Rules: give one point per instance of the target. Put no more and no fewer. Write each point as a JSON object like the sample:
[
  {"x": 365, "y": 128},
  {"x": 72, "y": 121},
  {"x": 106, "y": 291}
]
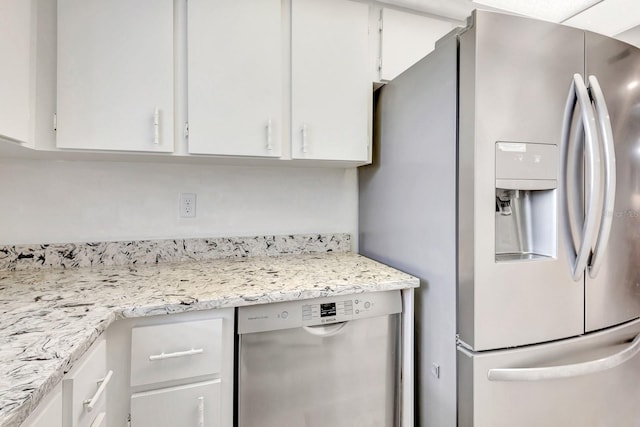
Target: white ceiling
[
  {"x": 549, "y": 10},
  {"x": 631, "y": 36},
  {"x": 454, "y": 9},
  {"x": 609, "y": 17}
]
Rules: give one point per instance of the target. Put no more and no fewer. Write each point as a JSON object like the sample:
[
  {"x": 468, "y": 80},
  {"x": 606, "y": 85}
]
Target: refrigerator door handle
[
  {"x": 578, "y": 93},
  {"x": 606, "y": 132},
  {"x": 566, "y": 371}
]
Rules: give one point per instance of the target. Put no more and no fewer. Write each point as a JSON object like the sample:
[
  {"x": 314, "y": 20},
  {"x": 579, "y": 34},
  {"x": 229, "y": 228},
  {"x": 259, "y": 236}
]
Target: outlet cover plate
[{"x": 187, "y": 205}]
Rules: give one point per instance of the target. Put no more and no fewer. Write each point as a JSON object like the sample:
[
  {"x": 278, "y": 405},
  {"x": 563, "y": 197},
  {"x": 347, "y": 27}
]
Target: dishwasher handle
[{"x": 325, "y": 330}]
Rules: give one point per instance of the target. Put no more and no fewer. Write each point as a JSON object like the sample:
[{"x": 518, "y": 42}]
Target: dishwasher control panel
[
  {"x": 318, "y": 311},
  {"x": 324, "y": 312}
]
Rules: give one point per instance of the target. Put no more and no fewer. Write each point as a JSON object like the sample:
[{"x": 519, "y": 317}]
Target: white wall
[{"x": 58, "y": 202}]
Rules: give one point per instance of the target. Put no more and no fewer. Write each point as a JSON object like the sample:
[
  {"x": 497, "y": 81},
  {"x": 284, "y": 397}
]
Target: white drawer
[
  {"x": 84, "y": 388},
  {"x": 175, "y": 351},
  {"x": 188, "y": 405}
]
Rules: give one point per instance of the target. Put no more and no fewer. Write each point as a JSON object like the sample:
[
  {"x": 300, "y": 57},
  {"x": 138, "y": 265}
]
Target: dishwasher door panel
[{"x": 337, "y": 375}]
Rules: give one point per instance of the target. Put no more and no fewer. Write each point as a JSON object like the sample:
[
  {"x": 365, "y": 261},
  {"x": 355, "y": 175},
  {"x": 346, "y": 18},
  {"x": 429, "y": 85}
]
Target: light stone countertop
[{"x": 50, "y": 317}]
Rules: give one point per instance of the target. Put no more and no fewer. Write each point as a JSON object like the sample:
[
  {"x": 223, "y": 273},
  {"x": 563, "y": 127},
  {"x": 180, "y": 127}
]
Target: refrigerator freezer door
[
  {"x": 613, "y": 295},
  {"x": 513, "y": 89},
  {"x": 607, "y": 396}
]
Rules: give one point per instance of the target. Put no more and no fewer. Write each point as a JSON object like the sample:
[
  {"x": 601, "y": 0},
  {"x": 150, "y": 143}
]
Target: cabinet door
[
  {"x": 187, "y": 405},
  {"x": 331, "y": 84},
  {"x": 406, "y": 38},
  {"x": 235, "y": 77},
  {"x": 85, "y": 387},
  {"x": 49, "y": 411},
  {"x": 17, "y": 23},
  {"x": 115, "y": 75}
]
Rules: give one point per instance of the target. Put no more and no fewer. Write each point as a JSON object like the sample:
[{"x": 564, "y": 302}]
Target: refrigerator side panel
[
  {"x": 603, "y": 398},
  {"x": 613, "y": 295},
  {"x": 466, "y": 189},
  {"x": 407, "y": 214},
  {"x": 465, "y": 388},
  {"x": 523, "y": 290}
]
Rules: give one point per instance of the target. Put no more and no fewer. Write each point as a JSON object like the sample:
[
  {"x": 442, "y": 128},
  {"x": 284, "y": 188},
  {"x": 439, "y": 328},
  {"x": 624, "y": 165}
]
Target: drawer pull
[
  {"x": 200, "y": 411},
  {"x": 99, "y": 420},
  {"x": 156, "y": 126},
  {"x": 90, "y": 403},
  {"x": 269, "y": 135},
  {"x": 304, "y": 132},
  {"x": 163, "y": 355}
]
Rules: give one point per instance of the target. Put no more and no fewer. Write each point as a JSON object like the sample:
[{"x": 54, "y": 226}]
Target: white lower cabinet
[
  {"x": 155, "y": 371},
  {"x": 80, "y": 399},
  {"x": 84, "y": 389},
  {"x": 180, "y": 370},
  {"x": 195, "y": 405},
  {"x": 49, "y": 411}
]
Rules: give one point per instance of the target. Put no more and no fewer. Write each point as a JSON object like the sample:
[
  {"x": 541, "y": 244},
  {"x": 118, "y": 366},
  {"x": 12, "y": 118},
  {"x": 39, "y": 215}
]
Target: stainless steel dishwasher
[{"x": 322, "y": 362}]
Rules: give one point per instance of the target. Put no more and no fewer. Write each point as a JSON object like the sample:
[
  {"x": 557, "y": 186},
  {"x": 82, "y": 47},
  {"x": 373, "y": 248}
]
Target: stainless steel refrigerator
[{"x": 506, "y": 176}]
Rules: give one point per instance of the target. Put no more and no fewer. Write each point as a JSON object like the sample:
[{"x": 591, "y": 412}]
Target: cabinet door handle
[
  {"x": 156, "y": 126},
  {"x": 99, "y": 420},
  {"x": 304, "y": 132},
  {"x": 90, "y": 403},
  {"x": 201, "y": 411},
  {"x": 163, "y": 355},
  {"x": 269, "y": 135}
]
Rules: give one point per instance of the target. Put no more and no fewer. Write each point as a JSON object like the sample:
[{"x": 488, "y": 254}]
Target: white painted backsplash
[{"x": 61, "y": 201}]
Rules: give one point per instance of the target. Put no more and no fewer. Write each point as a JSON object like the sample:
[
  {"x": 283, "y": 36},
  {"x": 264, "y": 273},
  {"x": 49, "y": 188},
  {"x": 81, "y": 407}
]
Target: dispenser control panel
[{"x": 526, "y": 166}]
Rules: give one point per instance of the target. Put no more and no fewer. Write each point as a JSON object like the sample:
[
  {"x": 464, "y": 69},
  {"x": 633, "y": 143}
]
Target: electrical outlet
[
  {"x": 187, "y": 205},
  {"x": 435, "y": 370}
]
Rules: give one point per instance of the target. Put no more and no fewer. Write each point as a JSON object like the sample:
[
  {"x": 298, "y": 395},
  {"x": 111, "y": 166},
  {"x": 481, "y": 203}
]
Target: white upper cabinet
[
  {"x": 331, "y": 82},
  {"x": 115, "y": 75},
  {"x": 17, "y": 81},
  {"x": 235, "y": 77},
  {"x": 406, "y": 38}
]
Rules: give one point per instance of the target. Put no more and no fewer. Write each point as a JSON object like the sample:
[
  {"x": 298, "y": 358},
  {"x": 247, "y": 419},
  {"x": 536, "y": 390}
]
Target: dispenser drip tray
[{"x": 520, "y": 257}]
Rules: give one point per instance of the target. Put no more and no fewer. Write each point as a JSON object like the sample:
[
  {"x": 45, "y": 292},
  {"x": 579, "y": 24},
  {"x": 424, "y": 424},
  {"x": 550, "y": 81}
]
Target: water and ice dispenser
[{"x": 526, "y": 214}]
